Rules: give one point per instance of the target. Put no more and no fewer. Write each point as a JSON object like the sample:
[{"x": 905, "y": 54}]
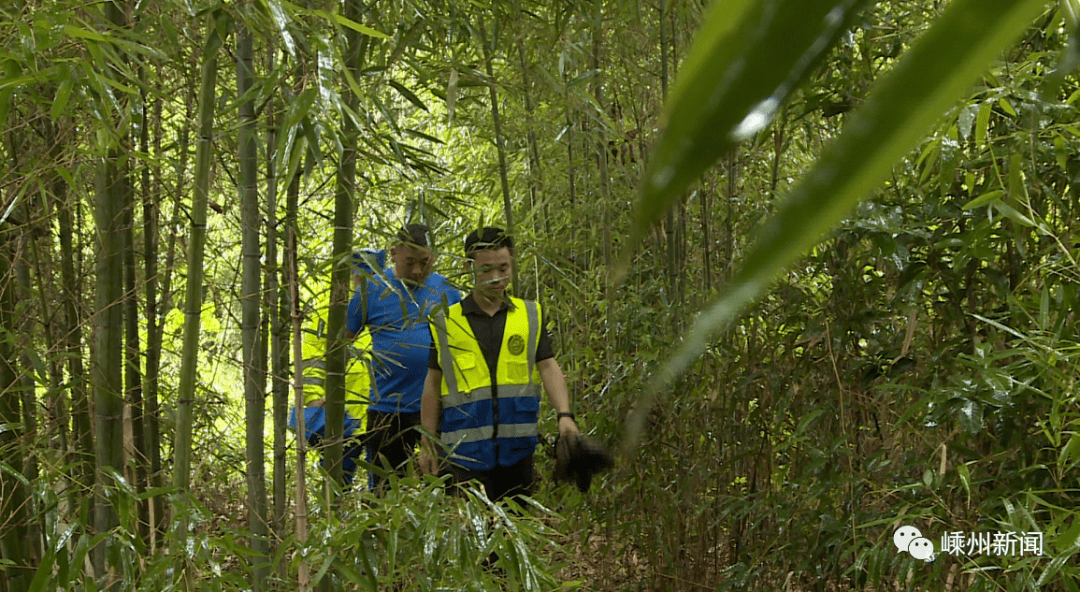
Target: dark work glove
[{"x": 578, "y": 458}]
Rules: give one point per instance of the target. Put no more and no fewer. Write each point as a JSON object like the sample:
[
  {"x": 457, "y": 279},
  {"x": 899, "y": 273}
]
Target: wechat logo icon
[{"x": 908, "y": 539}]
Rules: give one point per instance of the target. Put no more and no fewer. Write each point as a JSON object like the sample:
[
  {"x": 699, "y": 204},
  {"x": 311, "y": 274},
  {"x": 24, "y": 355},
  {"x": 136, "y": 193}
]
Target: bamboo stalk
[
  {"x": 500, "y": 144},
  {"x": 304, "y": 577},
  {"x": 13, "y": 504},
  {"x": 193, "y": 297},
  {"x": 276, "y": 304},
  {"x": 254, "y": 374},
  {"x": 107, "y": 363}
]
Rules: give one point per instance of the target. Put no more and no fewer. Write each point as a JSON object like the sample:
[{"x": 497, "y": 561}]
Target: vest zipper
[{"x": 495, "y": 419}]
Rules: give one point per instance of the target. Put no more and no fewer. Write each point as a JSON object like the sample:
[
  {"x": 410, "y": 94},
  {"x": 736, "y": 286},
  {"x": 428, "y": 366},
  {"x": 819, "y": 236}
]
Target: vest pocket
[
  {"x": 465, "y": 365},
  {"x": 517, "y": 372},
  {"x": 526, "y": 409}
]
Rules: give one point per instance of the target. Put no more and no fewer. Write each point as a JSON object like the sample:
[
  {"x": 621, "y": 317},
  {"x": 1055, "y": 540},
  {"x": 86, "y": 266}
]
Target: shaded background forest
[{"x": 167, "y": 164}]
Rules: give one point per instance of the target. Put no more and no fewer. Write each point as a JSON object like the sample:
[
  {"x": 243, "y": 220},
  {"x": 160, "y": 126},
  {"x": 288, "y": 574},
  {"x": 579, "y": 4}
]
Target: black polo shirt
[{"x": 489, "y": 334}]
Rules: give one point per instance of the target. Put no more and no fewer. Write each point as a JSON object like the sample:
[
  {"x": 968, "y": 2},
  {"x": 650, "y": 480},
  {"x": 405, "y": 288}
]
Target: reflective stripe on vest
[{"x": 468, "y": 411}]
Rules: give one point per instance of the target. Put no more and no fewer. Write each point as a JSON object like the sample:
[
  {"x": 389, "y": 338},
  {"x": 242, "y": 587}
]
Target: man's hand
[
  {"x": 430, "y": 418},
  {"x": 428, "y": 463},
  {"x": 567, "y": 427}
]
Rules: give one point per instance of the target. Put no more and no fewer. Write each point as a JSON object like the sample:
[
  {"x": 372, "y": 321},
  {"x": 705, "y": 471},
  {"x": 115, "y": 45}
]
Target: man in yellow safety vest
[
  {"x": 357, "y": 372},
  {"x": 482, "y": 393}
]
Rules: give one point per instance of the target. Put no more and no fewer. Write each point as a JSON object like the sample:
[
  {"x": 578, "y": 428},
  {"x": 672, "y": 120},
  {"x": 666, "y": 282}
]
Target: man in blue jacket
[
  {"x": 357, "y": 376},
  {"x": 394, "y": 306}
]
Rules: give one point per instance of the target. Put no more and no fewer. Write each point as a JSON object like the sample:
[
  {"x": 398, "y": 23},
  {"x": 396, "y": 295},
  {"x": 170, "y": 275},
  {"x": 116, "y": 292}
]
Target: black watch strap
[{"x": 567, "y": 414}]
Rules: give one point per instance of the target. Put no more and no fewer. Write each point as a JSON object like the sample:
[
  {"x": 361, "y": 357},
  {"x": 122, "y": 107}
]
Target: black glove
[{"x": 578, "y": 458}]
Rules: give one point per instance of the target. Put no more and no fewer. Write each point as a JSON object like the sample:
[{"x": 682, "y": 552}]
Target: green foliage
[
  {"x": 747, "y": 59},
  {"x": 962, "y": 43},
  {"x": 422, "y": 536},
  {"x": 419, "y": 535},
  {"x": 914, "y": 366}
]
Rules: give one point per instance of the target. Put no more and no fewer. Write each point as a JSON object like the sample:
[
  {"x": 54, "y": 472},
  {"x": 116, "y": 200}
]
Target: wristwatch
[{"x": 567, "y": 414}]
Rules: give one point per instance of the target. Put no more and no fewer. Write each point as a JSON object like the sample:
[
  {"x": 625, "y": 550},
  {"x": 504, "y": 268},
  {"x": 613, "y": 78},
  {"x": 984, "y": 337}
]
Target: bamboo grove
[{"x": 181, "y": 181}]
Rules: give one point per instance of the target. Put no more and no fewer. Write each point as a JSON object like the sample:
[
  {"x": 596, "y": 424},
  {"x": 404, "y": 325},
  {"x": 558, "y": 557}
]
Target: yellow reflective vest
[
  {"x": 487, "y": 424},
  {"x": 357, "y": 370}
]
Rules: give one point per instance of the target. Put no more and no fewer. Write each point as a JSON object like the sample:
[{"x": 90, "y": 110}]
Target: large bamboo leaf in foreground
[
  {"x": 936, "y": 71},
  {"x": 747, "y": 58}
]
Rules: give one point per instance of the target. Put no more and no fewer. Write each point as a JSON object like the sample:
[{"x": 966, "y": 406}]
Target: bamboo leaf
[
  {"x": 1068, "y": 539},
  {"x": 1071, "y": 12},
  {"x": 63, "y": 95},
  {"x": 747, "y": 59},
  {"x": 44, "y": 572},
  {"x": 423, "y": 136},
  {"x": 937, "y": 70},
  {"x": 117, "y": 85},
  {"x": 408, "y": 94},
  {"x": 388, "y": 116},
  {"x": 8, "y": 83},
  {"x": 983, "y": 199},
  {"x": 355, "y": 26},
  {"x": 1012, "y": 214},
  {"x": 1052, "y": 568},
  {"x": 281, "y": 20},
  {"x": 965, "y": 477},
  {"x": 1006, "y": 106},
  {"x": 982, "y": 127},
  {"x": 299, "y": 107},
  {"x": 451, "y": 96},
  {"x": 6, "y": 468},
  {"x": 313, "y": 152},
  {"x": 85, "y": 544},
  {"x": 1044, "y": 309},
  {"x": 155, "y": 491},
  {"x": 79, "y": 33},
  {"x": 1070, "y": 453}
]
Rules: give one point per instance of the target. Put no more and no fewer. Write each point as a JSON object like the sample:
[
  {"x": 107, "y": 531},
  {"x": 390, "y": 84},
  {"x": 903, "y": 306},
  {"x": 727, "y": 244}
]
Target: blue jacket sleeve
[{"x": 355, "y": 319}]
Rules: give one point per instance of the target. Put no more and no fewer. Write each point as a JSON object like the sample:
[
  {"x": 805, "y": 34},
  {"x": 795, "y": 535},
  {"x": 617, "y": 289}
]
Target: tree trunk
[
  {"x": 193, "y": 297},
  {"x": 253, "y": 369}
]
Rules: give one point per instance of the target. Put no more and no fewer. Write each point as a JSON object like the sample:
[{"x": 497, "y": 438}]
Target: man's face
[
  {"x": 492, "y": 269},
  {"x": 412, "y": 265}
]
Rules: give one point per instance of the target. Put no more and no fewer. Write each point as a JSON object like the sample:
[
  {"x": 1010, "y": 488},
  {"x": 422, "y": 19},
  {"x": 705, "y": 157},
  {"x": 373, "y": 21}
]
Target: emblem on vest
[{"x": 516, "y": 344}]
